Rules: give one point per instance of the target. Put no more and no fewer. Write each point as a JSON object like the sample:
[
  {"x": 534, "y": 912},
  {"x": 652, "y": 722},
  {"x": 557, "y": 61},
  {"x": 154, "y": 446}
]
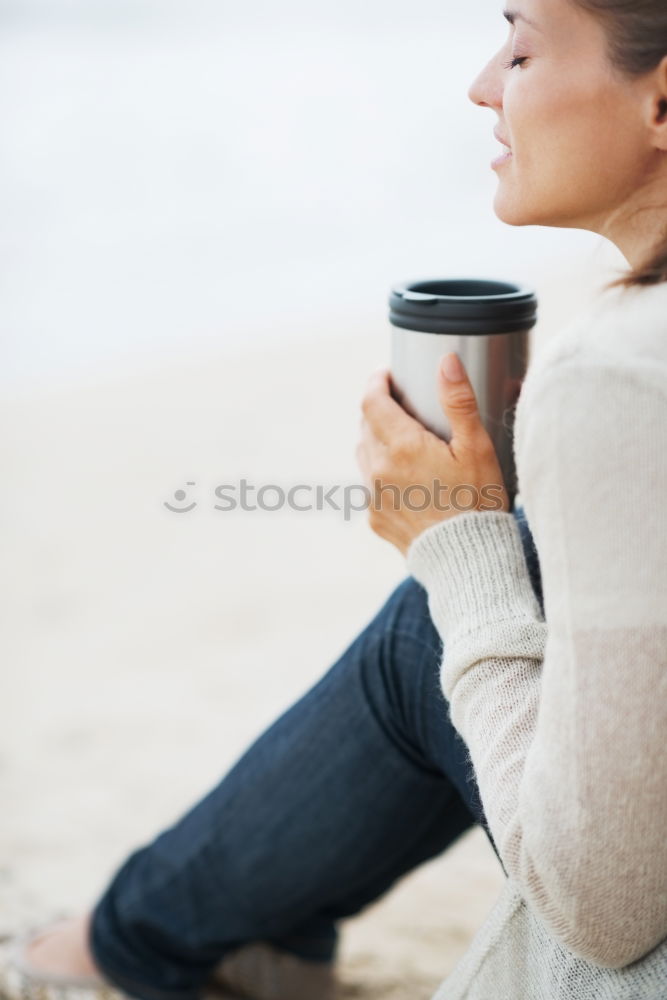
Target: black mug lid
[{"x": 463, "y": 305}]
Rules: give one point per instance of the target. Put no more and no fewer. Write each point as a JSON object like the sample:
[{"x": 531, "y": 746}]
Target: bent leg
[
  {"x": 363, "y": 779},
  {"x": 320, "y": 816}
]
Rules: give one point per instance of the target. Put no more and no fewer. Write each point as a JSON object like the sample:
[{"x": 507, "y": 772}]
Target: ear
[{"x": 658, "y": 106}]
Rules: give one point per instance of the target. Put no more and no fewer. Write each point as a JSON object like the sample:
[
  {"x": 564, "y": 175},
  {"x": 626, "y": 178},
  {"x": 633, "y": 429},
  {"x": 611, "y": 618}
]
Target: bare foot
[{"x": 63, "y": 948}]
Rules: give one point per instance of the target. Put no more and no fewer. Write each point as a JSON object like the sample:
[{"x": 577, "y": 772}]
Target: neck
[{"x": 639, "y": 227}]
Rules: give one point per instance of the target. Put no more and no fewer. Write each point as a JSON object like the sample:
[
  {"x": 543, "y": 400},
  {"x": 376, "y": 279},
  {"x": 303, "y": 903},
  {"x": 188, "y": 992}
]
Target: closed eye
[{"x": 519, "y": 61}]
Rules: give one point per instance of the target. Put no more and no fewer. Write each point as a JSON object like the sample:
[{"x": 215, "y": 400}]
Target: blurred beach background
[{"x": 204, "y": 206}]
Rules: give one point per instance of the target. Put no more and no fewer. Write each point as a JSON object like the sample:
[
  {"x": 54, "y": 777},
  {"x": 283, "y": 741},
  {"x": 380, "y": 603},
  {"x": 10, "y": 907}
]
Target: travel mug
[{"x": 487, "y": 323}]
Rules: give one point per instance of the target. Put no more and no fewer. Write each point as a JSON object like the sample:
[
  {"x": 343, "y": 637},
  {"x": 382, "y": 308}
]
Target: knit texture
[{"x": 565, "y": 714}]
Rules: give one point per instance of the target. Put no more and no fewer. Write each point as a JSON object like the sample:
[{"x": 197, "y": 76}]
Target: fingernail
[{"x": 452, "y": 368}]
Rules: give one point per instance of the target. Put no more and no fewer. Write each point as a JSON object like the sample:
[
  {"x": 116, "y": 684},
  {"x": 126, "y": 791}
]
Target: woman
[{"x": 552, "y": 732}]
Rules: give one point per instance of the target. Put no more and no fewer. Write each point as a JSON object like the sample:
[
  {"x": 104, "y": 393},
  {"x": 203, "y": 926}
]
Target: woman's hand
[{"x": 415, "y": 478}]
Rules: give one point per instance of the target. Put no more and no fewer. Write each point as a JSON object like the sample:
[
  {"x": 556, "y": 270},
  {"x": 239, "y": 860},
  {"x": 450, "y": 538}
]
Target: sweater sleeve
[{"x": 565, "y": 715}]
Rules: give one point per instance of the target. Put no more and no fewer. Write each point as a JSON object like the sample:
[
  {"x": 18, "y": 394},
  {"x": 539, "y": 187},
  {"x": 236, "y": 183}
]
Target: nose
[{"x": 486, "y": 91}]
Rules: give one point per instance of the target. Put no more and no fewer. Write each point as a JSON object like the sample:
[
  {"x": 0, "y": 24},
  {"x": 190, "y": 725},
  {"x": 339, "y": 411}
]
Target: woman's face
[{"x": 576, "y": 129}]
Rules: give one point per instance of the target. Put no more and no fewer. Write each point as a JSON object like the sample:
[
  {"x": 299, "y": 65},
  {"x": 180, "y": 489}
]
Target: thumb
[{"x": 457, "y": 398}]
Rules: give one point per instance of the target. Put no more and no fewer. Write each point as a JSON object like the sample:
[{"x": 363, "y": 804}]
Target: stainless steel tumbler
[{"x": 487, "y": 323}]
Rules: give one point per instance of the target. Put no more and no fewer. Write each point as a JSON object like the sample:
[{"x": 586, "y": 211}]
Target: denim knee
[{"x": 406, "y": 612}]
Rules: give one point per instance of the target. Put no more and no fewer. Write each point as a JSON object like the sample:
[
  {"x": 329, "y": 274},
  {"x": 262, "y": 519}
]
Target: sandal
[
  {"x": 256, "y": 971},
  {"x": 19, "y": 980}
]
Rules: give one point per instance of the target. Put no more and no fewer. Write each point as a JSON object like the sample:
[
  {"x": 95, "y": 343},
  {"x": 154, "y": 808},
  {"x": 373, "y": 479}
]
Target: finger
[
  {"x": 458, "y": 400},
  {"x": 373, "y": 450},
  {"x": 362, "y": 461},
  {"x": 386, "y": 418}
]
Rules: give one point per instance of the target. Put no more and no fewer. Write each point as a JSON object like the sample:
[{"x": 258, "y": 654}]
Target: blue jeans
[{"x": 360, "y": 781}]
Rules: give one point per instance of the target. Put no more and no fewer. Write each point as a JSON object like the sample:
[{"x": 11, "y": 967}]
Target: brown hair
[{"x": 637, "y": 33}]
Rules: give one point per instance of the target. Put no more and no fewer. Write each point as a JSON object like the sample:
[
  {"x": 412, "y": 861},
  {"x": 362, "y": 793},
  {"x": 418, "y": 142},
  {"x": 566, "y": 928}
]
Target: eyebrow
[{"x": 514, "y": 15}]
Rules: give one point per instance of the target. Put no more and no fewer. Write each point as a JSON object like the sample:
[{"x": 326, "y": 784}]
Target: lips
[
  {"x": 506, "y": 154},
  {"x": 503, "y": 141}
]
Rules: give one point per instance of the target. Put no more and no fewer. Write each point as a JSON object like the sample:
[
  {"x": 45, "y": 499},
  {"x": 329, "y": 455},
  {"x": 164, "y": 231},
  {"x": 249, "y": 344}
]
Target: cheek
[{"x": 573, "y": 157}]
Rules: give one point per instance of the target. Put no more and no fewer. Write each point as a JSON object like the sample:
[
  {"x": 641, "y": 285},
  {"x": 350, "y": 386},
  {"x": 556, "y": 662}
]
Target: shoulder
[
  {"x": 620, "y": 324},
  {"x": 592, "y": 410},
  {"x": 628, "y": 325},
  {"x": 619, "y": 341}
]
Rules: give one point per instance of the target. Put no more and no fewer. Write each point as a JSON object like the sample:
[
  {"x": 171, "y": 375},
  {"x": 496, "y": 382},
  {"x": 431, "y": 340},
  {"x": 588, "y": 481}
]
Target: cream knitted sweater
[{"x": 565, "y": 719}]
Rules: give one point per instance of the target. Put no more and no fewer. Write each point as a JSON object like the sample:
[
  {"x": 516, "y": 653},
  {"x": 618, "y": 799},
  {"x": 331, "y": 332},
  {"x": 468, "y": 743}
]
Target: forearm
[{"x": 483, "y": 605}]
